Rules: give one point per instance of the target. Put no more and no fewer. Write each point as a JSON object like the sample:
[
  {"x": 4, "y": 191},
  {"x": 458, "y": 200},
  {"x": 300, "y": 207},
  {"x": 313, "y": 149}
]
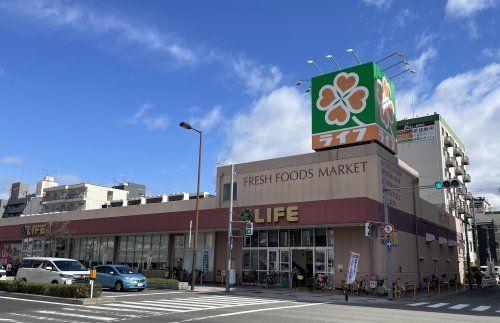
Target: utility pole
[
  {"x": 386, "y": 220},
  {"x": 229, "y": 231},
  {"x": 465, "y": 221}
]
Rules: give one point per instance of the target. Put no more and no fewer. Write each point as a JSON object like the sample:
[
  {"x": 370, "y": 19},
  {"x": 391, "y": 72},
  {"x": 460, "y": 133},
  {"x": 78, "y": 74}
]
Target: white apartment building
[
  {"x": 43, "y": 184},
  {"x": 79, "y": 197},
  {"x": 431, "y": 147}
]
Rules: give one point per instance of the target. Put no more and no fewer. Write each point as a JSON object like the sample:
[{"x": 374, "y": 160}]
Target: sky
[{"x": 93, "y": 91}]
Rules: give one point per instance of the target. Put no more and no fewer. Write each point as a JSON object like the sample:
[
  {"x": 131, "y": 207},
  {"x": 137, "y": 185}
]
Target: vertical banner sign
[
  {"x": 205, "y": 263},
  {"x": 353, "y": 105},
  {"x": 353, "y": 268}
]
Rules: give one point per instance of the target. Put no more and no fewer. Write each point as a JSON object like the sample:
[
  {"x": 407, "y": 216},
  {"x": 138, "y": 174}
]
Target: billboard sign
[
  {"x": 416, "y": 132},
  {"x": 353, "y": 268},
  {"x": 353, "y": 105}
]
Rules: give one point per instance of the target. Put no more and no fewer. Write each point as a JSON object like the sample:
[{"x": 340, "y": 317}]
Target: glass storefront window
[
  {"x": 307, "y": 237},
  {"x": 246, "y": 241},
  {"x": 246, "y": 260},
  {"x": 330, "y": 237},
  {"x": 263, "y": 238},
  {"x": 255, "y": 259},
  {"x": 262, "y": 259},
  {"x": 273, "y": 260},
  {"x": 200, "y": 242},
  {"x": 330, "y": 261},
  {"x": 283, "y": 238},
  {"x": 319, "y": 263},
  {"x": 254, "y": 241},
  {"x": 272, "y": 237},
  {"x": 295, "y": 240},
  {"x": 123, "y": 243},
  {"x": 320, "y": 237},
  {"x": 130, "y": 243},
  {"x": 147, "y": 244},
  {"x": 138, "y": 242},
  {"x": 179, "y": 241},
  {"x": 284, "y": 260}
]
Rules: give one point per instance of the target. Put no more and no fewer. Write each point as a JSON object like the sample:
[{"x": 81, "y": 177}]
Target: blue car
[{"x": 119, "y": 278}]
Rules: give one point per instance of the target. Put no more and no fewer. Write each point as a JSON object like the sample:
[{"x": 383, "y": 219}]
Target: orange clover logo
[
  {"x": 385, "y": 102},
  {"x": 342, "y": 98}
]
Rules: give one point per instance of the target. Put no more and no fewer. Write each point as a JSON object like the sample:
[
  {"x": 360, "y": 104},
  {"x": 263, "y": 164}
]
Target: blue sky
[{"x": 93, "y": 91}]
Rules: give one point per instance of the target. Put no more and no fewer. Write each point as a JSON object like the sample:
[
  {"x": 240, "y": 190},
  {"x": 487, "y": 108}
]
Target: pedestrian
[
  {"x": 479, "y": 278},
  {"x": 295, "y": 278}
]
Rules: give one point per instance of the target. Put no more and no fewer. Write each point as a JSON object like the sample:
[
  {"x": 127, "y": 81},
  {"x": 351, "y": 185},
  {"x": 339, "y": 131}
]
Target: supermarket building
[{"x": 309, "y": 211}]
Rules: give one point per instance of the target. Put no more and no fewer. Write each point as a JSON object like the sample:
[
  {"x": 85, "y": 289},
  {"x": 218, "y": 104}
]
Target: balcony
[
  {"x": 448, "y": 142},
  {"x": 466, "y": 178},
  {"x": 457, "y": 152},
  {"x": 451, "y": 162},
  {"x": 459, "y": 170},
  {"x": 465, "y": 160}
]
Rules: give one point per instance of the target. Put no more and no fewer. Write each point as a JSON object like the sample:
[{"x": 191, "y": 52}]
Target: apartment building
[{"x": 79, "y": 197}]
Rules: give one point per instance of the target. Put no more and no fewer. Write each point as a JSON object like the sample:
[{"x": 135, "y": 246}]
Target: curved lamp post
[{"x": 187, "y": 126}]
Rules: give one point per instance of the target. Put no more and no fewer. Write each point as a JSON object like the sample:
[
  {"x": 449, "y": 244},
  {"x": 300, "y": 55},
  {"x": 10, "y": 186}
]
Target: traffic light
[
  {"x": 368, "y": 230},
  {"x": 447, "y": 184},
  {"x": 246, "y": 215},
  {"x": 249, "y": 229}
]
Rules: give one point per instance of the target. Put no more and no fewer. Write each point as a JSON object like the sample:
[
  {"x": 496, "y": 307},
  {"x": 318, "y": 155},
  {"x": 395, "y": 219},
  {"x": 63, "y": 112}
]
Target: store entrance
[{"x": 303, "y": 261}]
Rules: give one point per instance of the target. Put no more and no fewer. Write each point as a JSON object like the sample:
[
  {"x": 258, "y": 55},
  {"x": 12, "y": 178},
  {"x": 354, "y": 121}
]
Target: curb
[{"x": 74, "y": 301}]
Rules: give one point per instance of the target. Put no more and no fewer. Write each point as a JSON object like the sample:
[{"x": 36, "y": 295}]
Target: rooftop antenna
[
  {"x": 400, "y": 54},
  {"x": 350, "y": 50},
  {"x": 330, "y": 56},
  {"x": 405, "y": 62},
  {"x": 411, "y": 70},
  {"x": 310, "y": 61},
  {"x": 22, "y": 170}
]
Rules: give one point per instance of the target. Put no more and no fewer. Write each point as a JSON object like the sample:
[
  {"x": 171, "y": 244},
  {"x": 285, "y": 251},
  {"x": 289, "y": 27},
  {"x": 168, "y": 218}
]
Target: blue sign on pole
[{"x": 205, "y": 263}]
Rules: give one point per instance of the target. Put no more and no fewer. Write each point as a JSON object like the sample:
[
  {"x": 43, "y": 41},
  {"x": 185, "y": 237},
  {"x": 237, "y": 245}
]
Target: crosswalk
[
  {"x": 128, "y": 310},
  {"x": 455, "y": 307}
]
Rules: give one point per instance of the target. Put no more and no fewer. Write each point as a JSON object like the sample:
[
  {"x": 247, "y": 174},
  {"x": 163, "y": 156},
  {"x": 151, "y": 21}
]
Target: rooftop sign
[{"x": 353, "y": 105}]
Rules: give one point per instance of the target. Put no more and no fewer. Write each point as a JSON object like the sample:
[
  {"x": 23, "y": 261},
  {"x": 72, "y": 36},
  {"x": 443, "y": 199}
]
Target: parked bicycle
[
  {"x": 321, "y": 282},
  {"x": 270, "y": 280}
]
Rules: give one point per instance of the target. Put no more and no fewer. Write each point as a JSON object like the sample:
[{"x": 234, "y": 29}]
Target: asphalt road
[{"x": 181, "y": 306}]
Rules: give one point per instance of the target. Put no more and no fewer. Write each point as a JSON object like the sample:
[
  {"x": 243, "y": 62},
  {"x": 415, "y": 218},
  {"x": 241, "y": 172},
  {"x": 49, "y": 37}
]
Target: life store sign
[{"x": 353, "y": 105}]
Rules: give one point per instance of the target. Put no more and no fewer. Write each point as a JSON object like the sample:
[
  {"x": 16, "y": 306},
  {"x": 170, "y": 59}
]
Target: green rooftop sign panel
[{"x": 353, "y": 105}]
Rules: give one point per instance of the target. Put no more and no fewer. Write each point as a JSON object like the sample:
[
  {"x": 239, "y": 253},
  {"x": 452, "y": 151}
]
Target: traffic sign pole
[{"x": 386, "y": 220}]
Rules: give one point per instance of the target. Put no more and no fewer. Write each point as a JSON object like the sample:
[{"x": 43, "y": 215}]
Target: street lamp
[
  {"x": 350, "y": 50},
  {"x": 310, "y": 61},
  {"x": 411, "y": 70},
  {"x": 330, "y": 56},
  {"x": 187, "y": 126},
  {"x": 405, "y": 62},
  {"x": 400, "y": 54}
]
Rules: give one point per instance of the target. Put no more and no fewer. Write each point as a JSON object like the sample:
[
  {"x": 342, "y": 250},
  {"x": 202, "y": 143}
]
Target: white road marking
[
  {"x": 98, "y": 318},
  {"x": 146, "y": 308},
  {"x": 97, "y": 312},
  {"x": 438, "y": 305},
  {"x": 418, "y": 304},
  {"x": 117, "y": 309},
  {"x": 143, "y": 294},
  {"x": 481, "y": 308},
  {"x": 459, "y": 306},
  {"x": 178, "y": 305},
  {"x": 249, "y": 311},
  {"x": 38, "y": 317},
  {"x": 36, "y": 301},
  {"x": 7, "y": 320}
]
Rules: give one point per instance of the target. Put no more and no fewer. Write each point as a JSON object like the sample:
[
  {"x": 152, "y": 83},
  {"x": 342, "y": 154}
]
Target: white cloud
[
  {"x": 133, "y": 35},
  {"x": 257, "y": 78},
  {"x": 467, "y": 8},
  {"x": 379, "y": 4},
  {"x": 277, "y": 124},
  {"x": 11, "y": 160},
  {"x": 470, "y": 103},
  {"x": 67, "y": 179},
  {"x": 144, "y": 117},
  {"x": 208, "y": 120},
  {"x": 491, "y": 53}
]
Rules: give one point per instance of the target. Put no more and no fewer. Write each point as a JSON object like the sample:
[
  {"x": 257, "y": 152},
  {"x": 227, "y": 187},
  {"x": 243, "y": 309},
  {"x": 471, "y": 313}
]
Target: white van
[
  {"x": 52, "y": 270},
  {"x": 3, "y": 273}
]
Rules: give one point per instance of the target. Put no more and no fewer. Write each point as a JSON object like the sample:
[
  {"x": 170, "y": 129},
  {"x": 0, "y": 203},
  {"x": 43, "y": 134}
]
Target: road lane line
[
  {"x": 144, "y": 294},
  {"x": 118, "y": 309},
  {"x": 481, "y": 308},
  {"x": 459, "y": 306},
  {"x": 179, "y": 305},
  {"x": 438, "y": 305},
  {"x": 250, "y": 311},
  {"x": 418, "y": 304},
  {"x": 98, "y": 318},
  {"x": 146, "y": 308},
  {"x": 97, "y": 312},
  {"x": 36, "y": 301}
]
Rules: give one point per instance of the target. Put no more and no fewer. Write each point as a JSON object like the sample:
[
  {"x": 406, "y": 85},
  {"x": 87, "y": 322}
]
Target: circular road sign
[{"x": 388, "y": 228}]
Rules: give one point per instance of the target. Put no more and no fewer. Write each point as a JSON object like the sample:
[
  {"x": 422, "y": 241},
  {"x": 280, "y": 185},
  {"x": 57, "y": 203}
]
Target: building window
[
  {"x": 283, "y": 238},
  {"x": 255, "y": 239},
  {"x": 307, "y": 237},
  {"x": 226, "y": 191},
  {"x": 263, "y": 238},
  {"x": 272, "y": 237},
  {"x": 295, "y": 235},
  {"x": 320, "y": 237}
]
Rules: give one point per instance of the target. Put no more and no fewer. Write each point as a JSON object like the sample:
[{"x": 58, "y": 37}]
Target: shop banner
[
  {"x": 205, "y": 263},
  {"x": 353, "y": 268}
]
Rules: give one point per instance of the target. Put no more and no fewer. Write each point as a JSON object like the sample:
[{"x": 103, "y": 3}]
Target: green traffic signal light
[{"x": 438, "y": 185}]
